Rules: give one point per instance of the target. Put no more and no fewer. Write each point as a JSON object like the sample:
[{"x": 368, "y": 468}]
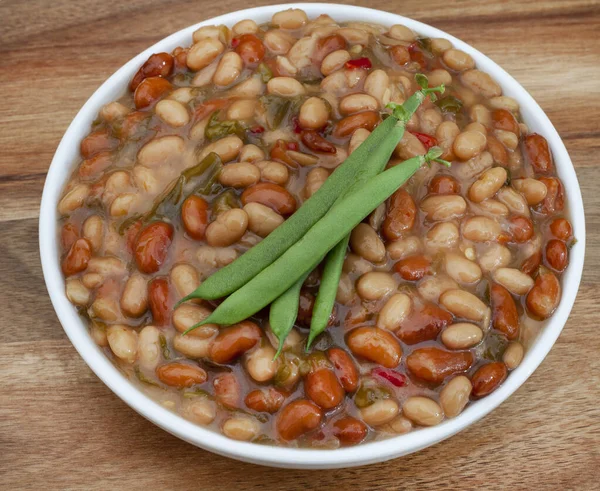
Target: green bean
[
  {"x": 199, "y": 169},
  {"x": 378, "y": 147},
  {"x": 283, "y": 312},
  {"x": 328, "y": 288},
  {"x": 306, "y": 253},
  {"x": 265, "y": 72},
  {"x": 215, "y": 129}
]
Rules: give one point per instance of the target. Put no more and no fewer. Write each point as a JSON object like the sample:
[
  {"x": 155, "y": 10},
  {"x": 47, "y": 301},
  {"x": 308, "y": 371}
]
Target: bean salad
[{"x": 214, "y": 146}]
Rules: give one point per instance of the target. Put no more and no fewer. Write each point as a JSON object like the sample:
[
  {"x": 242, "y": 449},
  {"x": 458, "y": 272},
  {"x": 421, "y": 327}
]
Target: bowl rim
[{"x": 64, "y": 162}]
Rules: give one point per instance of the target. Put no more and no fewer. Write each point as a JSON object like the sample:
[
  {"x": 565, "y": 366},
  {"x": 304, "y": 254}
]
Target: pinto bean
[
  {"x": 455, "y": 395},
  {"x": 290, "y": 19},
  {"x": 262, "y": 220},
  {"x": 251, "y": 153},
  {"x": 275, "y": 172},
  {"x": 348, "y": 125},
  {"x": 227, "y": 148},
  {"x": 462, "y": 335},
  {"x": 487, "y": 378},
  {"x": 481, "y": 83},
  {"x": 267, "y": 400},
  {"x": 345, "y": 368},
  {"x": 185, "y": 279},
  {"x": 431, "y": 287},
  {"x": 242, "y": 428},
  {"x": 316, "y": 142},
  {"x": 203, "y": 53},
  {"x": 409, "y": 146},
  {"x": 323, "y": 387},
  {"x": 77, "y": 258},
  {"x": 334, "y": 61},
  {"x": 227, "y": 390},
  {"x": 234, "y": 341},
  {"x": 494, "y": 256},
  {"x": 187, "y": 315},
  {"x": 285, "y": 87},
  {"x": 434, "y": 364},
  {"x": 461, "y": 269},
  {"x": 513, "y": 355},
  {"x": 469, "y": 144},
  {"x": 314, "y": 113},
  {"x": 196, "y": 346},
  {"x": 458, "y": 60},
  {"x": 172, "y": 112},
  {"x": 297, "y": 418},
  {"x": 394, "y": 312},
  {"x": 271, "y": 195},
  {"x": 463, "y": 304},
  {"x": 513, "y": 200},
  {"x": 180, "y": 375},
  {"x": 76, "y": 292},
  {"x": 488, "y": 184},
  {"x": 413, "y": 268},
  {"x": 261, "y": 364},
  {"x": 404, "y": 247},
  {"x": 134, "y": 299},
  {"x": 555, "y": 199},
  {"x": 444, "y": 207},
  {"x": 152, "y": 246},
  {"x": 380, "y": 412},
  {"x": 73, "y": 199},
  {"x": 375, "y": 285},
  {"x": 423, "y": 411},
  {"x": 158, "y": 150},
  {"x": 376, "y": 345},
  {"x": 445, "y": 134},
  {"x": 123, "y": 342},
  {"x": 423, "y": 324},
  {"x": 228, "y": 70},
  {"x": 513, "y": 280},
  {"x": 400, "y": 216},
  {"x": 539, "y": 153},
  {"x": 228, "y": 228},
  {"x": 365, "y": 242},
  {"x": 246, "y": 26},
  {"x": 149, "y": 347},
  {"x": 239, "y": 175},
  {"x": 442, "y": 236},
  {"x": 505, "y": 317},
  {"x": 544, "y": 297},
  {"x": 481, "y": 229}
]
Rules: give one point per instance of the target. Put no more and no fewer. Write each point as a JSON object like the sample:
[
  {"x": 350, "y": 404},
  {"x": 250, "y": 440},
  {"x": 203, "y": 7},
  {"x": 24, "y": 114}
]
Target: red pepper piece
[
  {"x": 235, "y": 42},
  {"x": 358, "y": 63},
  {"x": 427, "y": 140},
  {"x": 394, "y": 378}
]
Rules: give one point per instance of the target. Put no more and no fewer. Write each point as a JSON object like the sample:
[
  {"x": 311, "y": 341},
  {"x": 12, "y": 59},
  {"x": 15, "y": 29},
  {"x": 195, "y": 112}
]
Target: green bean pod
[{"x": 308, "y": 252}]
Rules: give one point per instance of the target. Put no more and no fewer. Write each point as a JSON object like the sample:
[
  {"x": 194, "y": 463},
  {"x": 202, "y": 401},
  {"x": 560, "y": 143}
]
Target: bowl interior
[{"x": 63, "y": 164}]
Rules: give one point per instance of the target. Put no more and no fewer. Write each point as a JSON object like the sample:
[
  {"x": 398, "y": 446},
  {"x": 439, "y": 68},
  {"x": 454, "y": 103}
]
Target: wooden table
[{"x": 60, "y": 427}]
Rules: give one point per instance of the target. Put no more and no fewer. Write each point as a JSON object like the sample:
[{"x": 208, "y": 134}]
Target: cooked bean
[
  {"x": 197, "y": 346},
  {"x": 216, "y": 257},
  {"x": 77, "y": 258},
  {"x": 273, "y": 171},
  {"x": 227, "y": 390},
  {"x": 186, "y": 315},
  {"x": 513, "y": 355},
  {"x": 409, "y": 146},
  {"x": 404, "y": 247},
  {"x": 544, "y": 297},
  {"x": 150, "y": 90},
  {"x": 431, "y": 287},
  {"x": 262, "y": 220},
  {"x": 194, "y": 215},
  {"x": 278, "y": 42},
  {"x": 487, "y": 378},
  {"x": 434, "y": 364},
  {"x": 227, "y": 148},
  {"x": 203, "y": 53},
  {"x": 134, "y": 299},
  {"x": 180, "y": 375},
  {"x": 228, "y": 70},
  {"x": 250, "y": 49},
  {"x": 265, "y": 400},
  {"x": 561, "y": 229},
  {"x": 158, "y": 150},
  {"x": 366, "y": 119},
  {"x": 285, "y": 87},
  {"x": 148, "y": 347},
  {"x": 413, "y": 268},
  {"x": 505, "y": 317},
  {"x": 458, "y": 60},
  {"x": 539, "y": 153},
  {"x": 424, "y": 324},
  {"x": 261, "y": 363},
  {"x": 152, "y": 246},
  {"x": 201, "y": 410},
  {"x": 314, "y": 113},
  {"x": 463, "y": 304},
  {"x": 376, "y": 85},
  {"x": 242, "y": 110},
  {"x": 184, "y": 278},
  {"x": 520, "y": 228},
  {"x": 290, "y": 19},
  {"x": 430, "y": 119},
  {"x": 106, "y": 308},
  {"x": 494, "y": 256},
  {"x": 172, "y": 112},
  {"x": 345, "y": 368},
  {"x": 365, "y": 242},
  {"x": 349, "y": 431},
  {"x": 481, "y": 83},
  {"x": 439, "y": 76},
  {"x": 73, "y": 199},
  {"x": 441, "y": 208},
  {"x": 228, "y": 228},
  {"x": 423, "y": 411},
  {"x": 355, "y": 103},
  {"x": 461, "y": 269},
  {"x": 400, "y": 216},
  {"x": 534, "y": 191},
  {"x": 297, "y": 418},
  {"x": 380, "y": 412},
  {"x": 334, "y": 61},
  {"x": 513, "y": 280},
  {"x": 93, "y": 231},
  {"x": 455, "y": 395},
  {"x": 241, "y": 428},
  {"x": 322, "y": 386},
  {"x": 246, "y": 26},
  {"x": 123, "y": 342},
  {"x": 442, "y": 236},
  {"x": 271, "y": 195},
  {"x": 375, "y": 285},
  {"x": 76, "y": 292},
  {"x": 375, "y": 345},
  {"x": 488, "y": 184},
  {"x": 394, "y": 312},
  {"x": 462, "y": 335},
  {"x": 251, "y": 153},
  {"x": 481, "y": 229},
  {"x": 234, "y": 341},
  {"x": 239, "y": 175},
  {"x": 468, "y": 144},
  {"x": 557, "y": 255}
]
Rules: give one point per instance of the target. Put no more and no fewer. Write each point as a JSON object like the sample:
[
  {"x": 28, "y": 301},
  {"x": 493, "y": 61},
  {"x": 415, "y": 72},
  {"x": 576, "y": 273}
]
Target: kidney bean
[
  {"x": 375, "y": 345},
  {"x": 345, "y": 368},
  {"x": 539, "y": 154},
  {"x": 400, "y": 215},
  {"x": 349, "y": 431},
  {"x": 227, "y": 390},
  {"x": 180, "y": 375},
  {"x": 413, "y": 268},
  {"x": 297, "y": 418},
  {"x": 455, "y": 395},
  {"x": 557, "y": 255},
  {"x": 96, "y": 142},
  {"x": 152, "y": 246},
  {"x": 442, "y": 184},
  {"x": 234, "y": 341},
  {"x": 327, "y": 45},
  {"x": 194, "y": 215},
  {"x": 275, "y": 197},
  {"x": 561, "y": 229},
  {"x": 505, "y": 120},
  {"x": 267, "y": 400},
  {"x": 95, "y": 165},
  {"x": 158, "y": 299},
  {"x": 521, "y": 228},
  {"x": 505, "y": 317},
  {"x": 316, "y": 142},
  {"x": 348, "y": 125},
  {"x": 250, "y": 49},
  {"x": 425, "y": 323},
  {"x": 487, "y": 378},
  {"x": 434, "y": 364},
  {"x": 68, "y": 235},
  {"x": 555, "y": 198},
  {"x": 544, "y": 297},
  {"x": 77, "y": 258},
  {"x": 532, "y": 263},
  {"x": 423, "y": 411},
  {"x": 157, "y": 65},
  {"x": 323, "y": 387},
  {"x": 150, "y": 90}
]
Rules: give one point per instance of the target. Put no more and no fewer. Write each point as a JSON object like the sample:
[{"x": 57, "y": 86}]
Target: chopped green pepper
[
  {"x": 215, "y": 129},
  {"x": 224, "y": 202},
  {"x": 265, "y": 72},
  {"x": 449, "y": 104}
]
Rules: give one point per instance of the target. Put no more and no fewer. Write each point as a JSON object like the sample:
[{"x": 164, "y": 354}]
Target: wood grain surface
[{"x": 61, "y": 428}]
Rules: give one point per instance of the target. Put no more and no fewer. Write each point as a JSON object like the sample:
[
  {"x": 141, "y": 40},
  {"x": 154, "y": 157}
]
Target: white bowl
[{"x": 66, "y": 157}]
